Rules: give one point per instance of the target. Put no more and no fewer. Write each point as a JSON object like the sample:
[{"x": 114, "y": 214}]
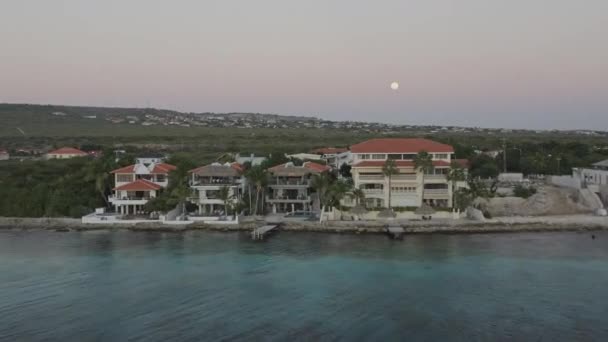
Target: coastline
[{"x": 463, "y": 226}]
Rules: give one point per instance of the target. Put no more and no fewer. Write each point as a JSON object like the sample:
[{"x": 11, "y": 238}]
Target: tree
[
  {"x": 455, "y": 175},
  {"x": 358, "y": 195},
  {"x": 225, "y": 196},
  {"x": 484, "y": 166},
  {"x": 320, "y": 183},
  {"x": 423, "y": 162},
  {"x": 345, "y": 171},
  {"x": 389, "y": 169},
  {"x": 259, "y": 178}
]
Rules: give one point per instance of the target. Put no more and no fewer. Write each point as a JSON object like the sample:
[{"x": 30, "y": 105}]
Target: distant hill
[{"x": 69, "y": 121}]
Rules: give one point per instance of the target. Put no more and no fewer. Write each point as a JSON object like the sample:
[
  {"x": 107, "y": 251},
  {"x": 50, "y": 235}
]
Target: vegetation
[
  {"x": 524, "y": 192},
  {"x": 388, "y": 170},
  {"x": 258, "y": 177},
  {"x": 69, "y": 188},
  {"x": 423, "y": 162},
  {"x": 455, "y": 174}
]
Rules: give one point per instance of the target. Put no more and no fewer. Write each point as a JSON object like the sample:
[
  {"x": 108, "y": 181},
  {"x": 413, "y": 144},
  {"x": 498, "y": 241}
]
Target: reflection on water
[{"x": 113, "y": 286}]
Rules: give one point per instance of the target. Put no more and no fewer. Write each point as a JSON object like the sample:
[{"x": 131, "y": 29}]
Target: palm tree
[
  {"x": 259, "y": 178},
  {"x": 455, "y": 175},
  {"x": 423, "y": 162},
  {"x": 358, "y": 195},
  {"x": 337, "y": 190},
  {"x": 321, "y": 183},
  {"x": 389, "y": 169},
  {"x": 225, "y": 196}
]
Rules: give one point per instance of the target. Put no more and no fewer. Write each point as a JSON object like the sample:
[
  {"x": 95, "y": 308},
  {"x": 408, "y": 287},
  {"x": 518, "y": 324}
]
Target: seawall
[{"x": 498, "y": 225}]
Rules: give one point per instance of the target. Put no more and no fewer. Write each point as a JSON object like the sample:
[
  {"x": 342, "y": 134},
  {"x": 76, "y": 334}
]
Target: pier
[
  {"x": 260, "y": 232},
  {"x": 395, "y": 232}
]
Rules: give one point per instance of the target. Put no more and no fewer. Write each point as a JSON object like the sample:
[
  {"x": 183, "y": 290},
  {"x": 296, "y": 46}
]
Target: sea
[{"x": 215, "y": 286}]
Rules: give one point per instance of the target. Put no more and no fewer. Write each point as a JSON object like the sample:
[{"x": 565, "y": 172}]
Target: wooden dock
[
  {"x": 260, "y": 232},
  {"x": 395, "y": 232}
]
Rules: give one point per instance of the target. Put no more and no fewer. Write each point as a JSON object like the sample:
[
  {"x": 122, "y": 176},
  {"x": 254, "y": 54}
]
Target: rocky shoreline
[{"x": 497, "y": 225}]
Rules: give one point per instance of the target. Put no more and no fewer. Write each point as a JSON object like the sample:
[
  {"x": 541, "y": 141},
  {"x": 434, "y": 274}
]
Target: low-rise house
[
  {"x": 66, "y": 153},
  {"x": 207, "y": 181},
  {"x": 594, "y": 178},
  {"x": 335, "y": 156},
  {"x": 407, "y": 186},
  {"x": 4, "y": 155},
  {"x": 252, "y": 159},
  {"x": 136, "y": 184},
  {"x": 289, "y": 188}
]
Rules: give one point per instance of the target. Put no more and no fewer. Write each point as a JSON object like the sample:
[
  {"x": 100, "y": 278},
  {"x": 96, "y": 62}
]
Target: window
[
  {"x": 161, "y": 178},
  {"x": 364, "y": 156},
  {"x": 409, "y": 156},
  {"x": 441, "y": 156},
  {"x": 124, "y": 178},
  {"x": 403, "y": 189},
  {"x": 378, "y": 156},
  {"x": 395, "y": 156}
]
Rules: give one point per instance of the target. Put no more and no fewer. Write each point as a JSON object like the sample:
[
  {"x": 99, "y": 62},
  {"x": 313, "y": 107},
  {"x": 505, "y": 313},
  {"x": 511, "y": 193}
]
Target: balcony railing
[
  {"x": 435, "y": 191},
  {"x": 371, "y": 177},
  {"x": 373, "y": 191},
  {"x": 213, "y": 182},
  {"x": 128, "y": 198},
  {"x": 403, "y": 177},
  {"x": 288, "y": 198},
  {"x": 291, "y": 182}
]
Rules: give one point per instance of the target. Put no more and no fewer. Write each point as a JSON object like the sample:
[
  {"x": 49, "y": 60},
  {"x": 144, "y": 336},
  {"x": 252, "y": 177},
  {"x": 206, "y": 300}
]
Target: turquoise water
[{"x": 199, "y": 286}]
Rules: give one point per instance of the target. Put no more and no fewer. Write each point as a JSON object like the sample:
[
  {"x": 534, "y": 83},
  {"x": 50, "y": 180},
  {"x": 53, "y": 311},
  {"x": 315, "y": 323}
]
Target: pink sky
[{"x": 528, "y": 64}]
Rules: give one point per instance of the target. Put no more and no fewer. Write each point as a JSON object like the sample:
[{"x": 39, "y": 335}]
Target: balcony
[
  {"x": 371, "y": 177},
  {"x": 435, "y": 179},
  {"x": 288, "y": 199},
  {"x": 288, "y": 183},
  {"x": 436, "y": 193},
  {"x": 406, "y": 177},
  {"x": 129, "y": 200},
  {"x": 372, "y": 191}
]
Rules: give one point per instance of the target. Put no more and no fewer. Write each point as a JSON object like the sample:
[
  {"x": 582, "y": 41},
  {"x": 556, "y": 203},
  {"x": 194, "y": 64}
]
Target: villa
[
  {"x": 66, "y": 153},
  {"x": 206, "y": 182},
  {"x": 407, "y": 186},
  {"x": 335, "y": 156},
  {"x": 290, "y": 187},
  {"x": 136, "y": 184}
]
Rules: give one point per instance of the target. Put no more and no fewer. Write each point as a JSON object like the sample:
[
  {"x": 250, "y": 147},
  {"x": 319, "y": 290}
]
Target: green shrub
[{"x": 524, "y": 192}]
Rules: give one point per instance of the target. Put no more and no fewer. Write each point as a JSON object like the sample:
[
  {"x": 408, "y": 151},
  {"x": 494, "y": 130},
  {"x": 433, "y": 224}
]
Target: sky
[{"x": 540, "y": 64}]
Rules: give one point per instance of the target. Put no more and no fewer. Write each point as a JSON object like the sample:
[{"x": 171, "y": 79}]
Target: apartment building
[
  {"x": 407, "y": 187},
  {"x": 290, "y": 188},
  {"x": 136, "y": 184},
  {"x": 206, "y": 182}
]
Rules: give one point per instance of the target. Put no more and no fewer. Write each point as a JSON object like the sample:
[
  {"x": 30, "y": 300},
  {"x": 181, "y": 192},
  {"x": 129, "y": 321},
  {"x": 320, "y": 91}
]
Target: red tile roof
[
  {"x": 68, "y": 150},
  {"x": 139, "y": 185},
  {"x": 126, "y": 169},
  {"x": 316, "y": 167},
  {"x": 235, "y": 166},
  {"x": 399, "y": 163},
  {"x": 329, "y": 150},
  {"x": 161, "y": 168},
  {"x": 401, "y": 145}
]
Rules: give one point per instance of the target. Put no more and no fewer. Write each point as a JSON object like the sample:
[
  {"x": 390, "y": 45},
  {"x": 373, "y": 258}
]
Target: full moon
[{"x": 395, "y": 85}]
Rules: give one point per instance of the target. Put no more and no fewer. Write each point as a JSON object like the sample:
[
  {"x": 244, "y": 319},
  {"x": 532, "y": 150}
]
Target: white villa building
[
  {"x": 290, "y": 189},
  {"x": 335, "y": 156},
  {"x": 136, "y": 184},
  {"x": 406, "y": 187},
  {"x": 206, "y": 182},
  {"x": 594, "y": 178}
]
